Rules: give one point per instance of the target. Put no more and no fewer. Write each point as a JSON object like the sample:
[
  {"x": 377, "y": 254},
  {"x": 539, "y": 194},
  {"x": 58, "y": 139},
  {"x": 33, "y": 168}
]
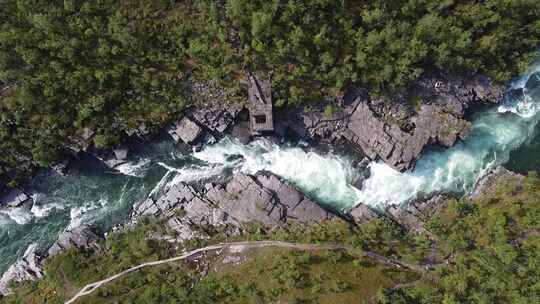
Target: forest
[{"x": 107, "y": 67}]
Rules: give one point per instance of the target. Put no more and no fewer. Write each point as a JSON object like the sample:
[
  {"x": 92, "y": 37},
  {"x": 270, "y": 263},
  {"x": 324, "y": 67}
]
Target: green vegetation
[
  {"x": 111, "y": 66},
  {"x": 486, "y": 251},
  {"x": 493, "y": 246}
]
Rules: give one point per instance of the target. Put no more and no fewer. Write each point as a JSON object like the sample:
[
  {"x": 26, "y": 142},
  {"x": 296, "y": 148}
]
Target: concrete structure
[{"x": 260, "y": 109}]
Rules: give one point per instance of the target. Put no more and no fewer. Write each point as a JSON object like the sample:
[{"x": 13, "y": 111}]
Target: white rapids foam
[
  {"x": 84, "y": 214},
  {"x": 19, "y": 215},
  {"x": 326, "y": 178},
  {"x": 41, "y": 209},
  {"x": 188, "y": 174},
  {"x": 135, "y": 169}
]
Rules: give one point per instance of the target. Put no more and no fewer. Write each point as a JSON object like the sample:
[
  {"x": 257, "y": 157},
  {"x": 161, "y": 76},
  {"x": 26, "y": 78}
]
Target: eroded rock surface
[
  {"x": 487, "y": 185},
  {"x": 216, "y": 118},
  {"x": 185, "y": 130},
  {"x": 13, "y": 198},
  {"x": 80, "y": 237},
  {"x": 263, "y": 198},
  {"x": 28, "y": 268},
  {"x": 201, "y": 123}
]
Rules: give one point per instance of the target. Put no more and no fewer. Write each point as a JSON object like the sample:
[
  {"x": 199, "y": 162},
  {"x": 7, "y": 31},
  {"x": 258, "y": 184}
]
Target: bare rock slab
[
  {"x": 185, "y": 130},
  {"x": 28, "y": 268},
  {"x": 13, "y": 198},
  {"x": 80, "y": 237}
]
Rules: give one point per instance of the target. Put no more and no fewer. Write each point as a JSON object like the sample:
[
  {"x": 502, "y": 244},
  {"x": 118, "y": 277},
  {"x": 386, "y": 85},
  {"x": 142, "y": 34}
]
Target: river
[{"x": 504, "y": 134}]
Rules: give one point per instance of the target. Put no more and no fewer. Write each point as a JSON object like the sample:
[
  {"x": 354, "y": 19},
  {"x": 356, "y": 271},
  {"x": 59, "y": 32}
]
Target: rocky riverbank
[
  {"x": 396, "y": 130},
  {"x": 431, "y": 112},
  {"x": 229, "y": 208}
]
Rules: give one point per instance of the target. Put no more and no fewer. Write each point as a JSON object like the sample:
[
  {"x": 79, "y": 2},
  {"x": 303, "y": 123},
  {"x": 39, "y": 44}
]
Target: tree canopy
[{"x": 110, "y": 66}]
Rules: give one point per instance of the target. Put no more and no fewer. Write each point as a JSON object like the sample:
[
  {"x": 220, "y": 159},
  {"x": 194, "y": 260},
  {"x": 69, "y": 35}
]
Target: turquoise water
[
  {"x": 527, "y": 157},
  {"x": 94, "y": 195}
]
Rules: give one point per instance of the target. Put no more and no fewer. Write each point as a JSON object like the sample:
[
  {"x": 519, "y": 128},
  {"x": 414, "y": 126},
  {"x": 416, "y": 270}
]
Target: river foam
[{"x": 325, "y": 178}]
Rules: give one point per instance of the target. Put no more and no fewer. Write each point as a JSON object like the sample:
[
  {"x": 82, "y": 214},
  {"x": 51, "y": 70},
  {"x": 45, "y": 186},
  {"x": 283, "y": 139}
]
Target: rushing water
[{"x": 96, "y": 195}]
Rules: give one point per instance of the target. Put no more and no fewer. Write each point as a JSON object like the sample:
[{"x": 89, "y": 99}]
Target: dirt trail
[{"x": 240, "y": 246}]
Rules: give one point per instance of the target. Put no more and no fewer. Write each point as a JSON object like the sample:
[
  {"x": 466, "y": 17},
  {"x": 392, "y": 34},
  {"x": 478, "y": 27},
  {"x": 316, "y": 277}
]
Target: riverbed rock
[
  {"x": 13, "y": 198},
  {"x": 455, "y": 94},
  {"x": 216, "y": 117},
  {"x": 263, "y": 198},
  {"x": 28, "y": 268},
  {"x": 362, "y": 214},
  {"x": 185, "y": 130},
  {"x": 487, "y": 185},
  {"x": 267, "y": 199},
  {"x": 84, "y": 237},
  {"x": 396, "y": 147}
]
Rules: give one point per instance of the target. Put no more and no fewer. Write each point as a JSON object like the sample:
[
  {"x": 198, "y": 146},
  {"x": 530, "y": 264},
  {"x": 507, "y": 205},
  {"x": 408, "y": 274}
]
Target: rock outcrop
[
  {"x": 361, "y": 214},
  {"x": 414, "y": 215},
  {"x": 313, "y": 123},
  {"x": 13, "y": 198},
  {"x": 487, "y": 185},
  {"x": 263, "y": 198},
  {"x": 431, "y": 111},
  {"x": 203, "y": 123},
  {"x": 396, "y": 147},
  {"x": 185, "y": 130},
  {"x": 456, "y": 94},
  {"x": 28, "y": 268},
  {"x": 112, "y": 158},
  {"x": 80, "y": 237},
  {"x": 216, "y": 118}
]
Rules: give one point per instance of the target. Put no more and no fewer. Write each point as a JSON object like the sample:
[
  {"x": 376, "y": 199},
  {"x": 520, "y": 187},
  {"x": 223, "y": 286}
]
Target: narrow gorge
[{"x": 102, "y": 197}]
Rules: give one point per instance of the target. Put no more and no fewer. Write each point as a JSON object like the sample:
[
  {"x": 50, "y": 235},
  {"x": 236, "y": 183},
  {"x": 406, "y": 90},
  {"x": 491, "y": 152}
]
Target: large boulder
[
  {"x": 263, "y": 198},
  {"x": 28, "y": 268},
  {"x": 488, "y": 183},
  {"x": 185, "y": 130},
  {"x": 362, "y": 213},
  {"x": 13, "y": 198},
  {"x": 82, "y": 237}
]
